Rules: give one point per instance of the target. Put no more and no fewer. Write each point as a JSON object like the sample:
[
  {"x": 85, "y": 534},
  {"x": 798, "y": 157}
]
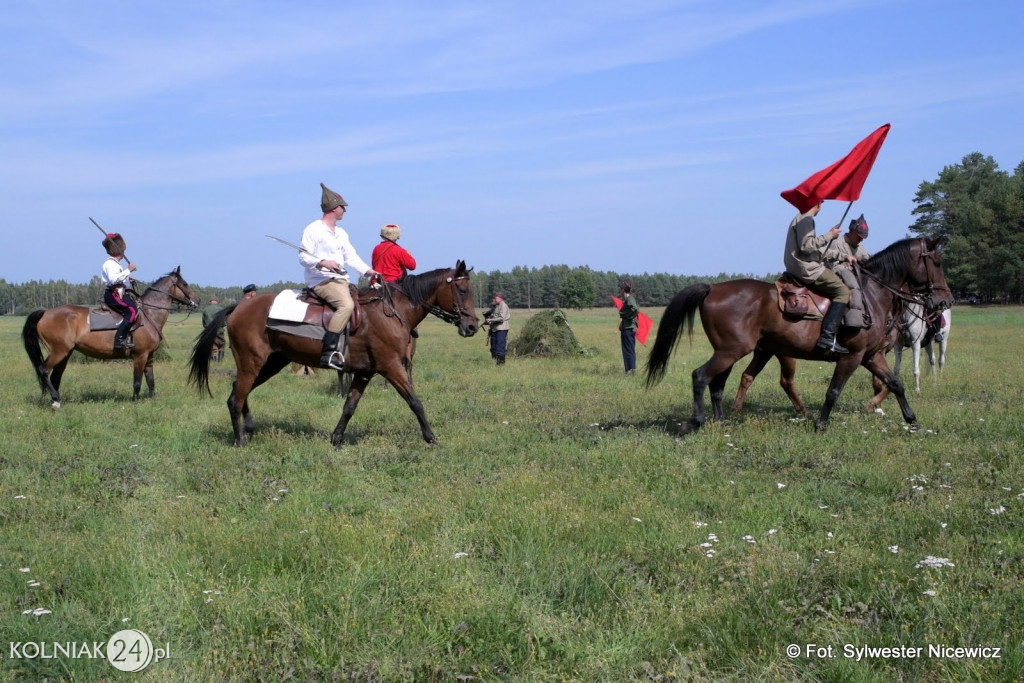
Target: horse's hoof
[
  {"x": 820, "y": 426},
  {"x": 55, "y": 405}
]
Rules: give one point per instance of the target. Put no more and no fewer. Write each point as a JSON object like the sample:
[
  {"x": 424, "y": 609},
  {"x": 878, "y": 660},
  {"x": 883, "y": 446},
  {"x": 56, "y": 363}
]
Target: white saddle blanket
[{"x": 287, "y": 306}]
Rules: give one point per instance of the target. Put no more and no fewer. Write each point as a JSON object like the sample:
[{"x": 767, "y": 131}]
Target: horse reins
[{"x": 452, "y": 318}]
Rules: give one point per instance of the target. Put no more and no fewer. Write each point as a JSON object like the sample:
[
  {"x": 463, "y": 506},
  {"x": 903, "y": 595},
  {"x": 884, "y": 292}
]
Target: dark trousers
[
  {"x": 628, "y": 338},
  {"x": 123, "y": 305},
  {"x": 498, "y": 340}
]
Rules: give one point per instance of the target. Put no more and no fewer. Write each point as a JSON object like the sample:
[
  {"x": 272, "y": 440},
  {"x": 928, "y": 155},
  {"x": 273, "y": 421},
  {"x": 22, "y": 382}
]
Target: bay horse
[
  {"x": 379, "y": 345},
  {"x": 66, "y": 328},
  {"x": 740, "y": 316}
]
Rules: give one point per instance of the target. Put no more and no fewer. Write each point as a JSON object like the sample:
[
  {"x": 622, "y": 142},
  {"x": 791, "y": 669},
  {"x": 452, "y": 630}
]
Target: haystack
[{"x": 548, "y": 334}]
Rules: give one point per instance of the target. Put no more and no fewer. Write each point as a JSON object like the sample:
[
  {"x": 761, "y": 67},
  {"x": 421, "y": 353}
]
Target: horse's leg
[
  {"x": 150, "y": 377},
  {"x": 917, "y": 366},
  {"x": 753, "y": 369},
  {"x": 238, "y": 401},
  {"x": 51, "y": 372},
  {"x": 402, "y": 382},
  {"x": 880, "y": 369},
  {"x": 844, "y": 368},
  {"x": 717, "y": 386},
  {"x": 355, "y": 392},
  {"x": 138, "y": 370},
  {"x": 787, "y": 375},
  {"x": 881, "y": 391},
  {"x": 702, "y": 377}
]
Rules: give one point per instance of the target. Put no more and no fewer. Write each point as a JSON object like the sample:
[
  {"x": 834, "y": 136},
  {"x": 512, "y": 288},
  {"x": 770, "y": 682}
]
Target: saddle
[
  {"x": 797, "y": 301},
  {"x": 318, "y": 312},
  {"x": 102, "y": 317}
]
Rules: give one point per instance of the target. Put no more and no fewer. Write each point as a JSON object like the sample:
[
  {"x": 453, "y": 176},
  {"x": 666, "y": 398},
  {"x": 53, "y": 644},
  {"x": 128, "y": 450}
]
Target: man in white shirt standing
[{"x": 327, "y": 250}]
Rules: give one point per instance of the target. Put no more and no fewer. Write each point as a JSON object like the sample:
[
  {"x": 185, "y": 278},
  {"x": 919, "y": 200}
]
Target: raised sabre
[{"x": 302, "y": 249}]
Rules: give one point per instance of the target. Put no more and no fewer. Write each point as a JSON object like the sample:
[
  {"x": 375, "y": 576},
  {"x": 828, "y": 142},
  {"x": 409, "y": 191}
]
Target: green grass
[{"x": 559, "y": 532}]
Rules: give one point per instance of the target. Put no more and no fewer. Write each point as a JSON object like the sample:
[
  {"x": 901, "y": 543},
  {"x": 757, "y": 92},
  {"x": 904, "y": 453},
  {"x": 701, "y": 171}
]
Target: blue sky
[{"x": 642, "y": 136}]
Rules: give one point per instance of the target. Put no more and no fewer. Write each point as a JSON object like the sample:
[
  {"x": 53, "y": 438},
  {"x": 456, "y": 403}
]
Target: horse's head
[
  {"x": 456, "y": 298},
  {"x": 927, "y": 276},
  {"x": 180, "y": 291}
]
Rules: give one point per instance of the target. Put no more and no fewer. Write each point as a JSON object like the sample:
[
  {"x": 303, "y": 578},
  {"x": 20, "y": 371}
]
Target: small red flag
[
  {"x": 843, "y": 179},
  {"x": 643, "y": 322}
]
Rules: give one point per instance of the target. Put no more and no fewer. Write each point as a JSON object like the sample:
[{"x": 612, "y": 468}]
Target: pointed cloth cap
[
  {"x": 859, "y": 226},
  {"x": 330, "y": 200},
  {"x": 114, "y": 244}
]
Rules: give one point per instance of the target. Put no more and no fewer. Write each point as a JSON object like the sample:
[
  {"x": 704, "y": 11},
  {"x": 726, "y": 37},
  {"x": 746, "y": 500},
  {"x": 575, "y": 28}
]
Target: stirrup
[
  {"x": 831, "y": 345},
  {"x": 333, "y": 361}
]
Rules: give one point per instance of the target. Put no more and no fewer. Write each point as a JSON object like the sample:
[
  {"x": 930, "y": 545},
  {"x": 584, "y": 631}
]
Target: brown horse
[
  {"x": 380, "y": 345},
  {"x": 66, "y": 328},
  {"x": 741, "y": 315}
]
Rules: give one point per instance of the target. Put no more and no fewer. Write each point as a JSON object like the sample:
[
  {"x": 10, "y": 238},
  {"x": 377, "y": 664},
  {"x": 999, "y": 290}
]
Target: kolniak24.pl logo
[{"x": 127, "y": 650}]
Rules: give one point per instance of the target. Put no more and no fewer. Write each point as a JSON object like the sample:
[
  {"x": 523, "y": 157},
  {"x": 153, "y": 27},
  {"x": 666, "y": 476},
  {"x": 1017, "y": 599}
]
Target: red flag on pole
[
  {"x": 643, "y": 322},
  {"x": 843, "y": 179}
]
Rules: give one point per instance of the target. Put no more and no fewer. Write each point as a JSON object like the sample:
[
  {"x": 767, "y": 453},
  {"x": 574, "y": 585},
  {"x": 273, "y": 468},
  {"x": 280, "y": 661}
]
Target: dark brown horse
[
  {"x": 66, "y": 328},
  {"x": 741, "y": 315},
  {"x": 380, "y": 345}
]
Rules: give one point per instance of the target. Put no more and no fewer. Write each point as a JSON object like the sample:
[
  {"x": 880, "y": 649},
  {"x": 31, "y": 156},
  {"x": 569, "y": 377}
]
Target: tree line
[{"x": 978, "y": 208}]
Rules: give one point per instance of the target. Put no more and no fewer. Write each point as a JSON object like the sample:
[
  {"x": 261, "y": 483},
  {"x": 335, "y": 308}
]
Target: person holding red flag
[
  {"x": 628, "y": 314},
  {"x": 804, "y": 257},
  {"x": 805, "y": 250}
]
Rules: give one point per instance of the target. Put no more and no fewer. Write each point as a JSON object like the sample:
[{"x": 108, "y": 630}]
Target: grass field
[{"x": 558, "y": 532}]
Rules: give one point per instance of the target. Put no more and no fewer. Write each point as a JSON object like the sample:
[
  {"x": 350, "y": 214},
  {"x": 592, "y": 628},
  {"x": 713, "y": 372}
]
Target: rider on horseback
[
  {"x": 803, "y": 260},
  {"x": 326, "y": 250},
  {"x": 117, "y": 279},
  {"x": 840, "y": 257}
]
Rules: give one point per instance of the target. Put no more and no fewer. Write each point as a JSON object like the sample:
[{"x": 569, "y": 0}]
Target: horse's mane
[
  {"x": 418, "y": 287},
  {"x": 892, "y": 262}
]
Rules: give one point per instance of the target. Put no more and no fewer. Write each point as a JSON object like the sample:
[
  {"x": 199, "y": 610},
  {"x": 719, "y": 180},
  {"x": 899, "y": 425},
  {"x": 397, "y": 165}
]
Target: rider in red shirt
[{"x": 388, "y": 258}]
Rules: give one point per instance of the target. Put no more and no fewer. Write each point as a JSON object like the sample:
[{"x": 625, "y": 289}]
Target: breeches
[
  {"x": 829, "y": 284},
  {"x": 123, "y": 305},
  {"x": 337, "y": 296}
]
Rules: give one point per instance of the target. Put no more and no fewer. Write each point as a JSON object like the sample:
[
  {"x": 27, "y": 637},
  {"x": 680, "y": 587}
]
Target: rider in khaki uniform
[
  {"x": 840, "y": 257},
  {"x": 803, "y": 260}
]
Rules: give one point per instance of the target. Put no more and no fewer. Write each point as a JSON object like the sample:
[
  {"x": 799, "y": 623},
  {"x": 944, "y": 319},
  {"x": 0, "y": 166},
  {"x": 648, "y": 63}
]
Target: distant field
[{"x": 558, "y": 532}]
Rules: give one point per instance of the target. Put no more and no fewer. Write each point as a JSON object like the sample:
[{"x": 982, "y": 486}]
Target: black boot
[
  {"x": 830, "y": 328},
  {"x": 330, "y": 357},
  {"x": 500, "y": 360}
]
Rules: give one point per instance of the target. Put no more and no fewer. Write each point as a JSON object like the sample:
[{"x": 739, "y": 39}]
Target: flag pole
[{"x": 840, "y": 226}]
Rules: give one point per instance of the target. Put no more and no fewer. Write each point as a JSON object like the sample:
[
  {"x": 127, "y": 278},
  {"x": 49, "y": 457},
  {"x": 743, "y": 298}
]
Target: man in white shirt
[
  {"x": 117, "y": 279},
  {"x": 327, "y": 250}
]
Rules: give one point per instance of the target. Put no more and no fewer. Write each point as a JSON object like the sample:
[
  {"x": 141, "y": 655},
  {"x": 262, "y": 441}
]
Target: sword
[{"x": 302, "y": 249}]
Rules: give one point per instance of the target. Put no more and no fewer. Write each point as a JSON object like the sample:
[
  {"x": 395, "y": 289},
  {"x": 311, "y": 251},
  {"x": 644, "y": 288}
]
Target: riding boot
[
  {"x": 500, "y": 360},
  {"x": 830, "y": 328},
  {"x": 330, "y": 356}
]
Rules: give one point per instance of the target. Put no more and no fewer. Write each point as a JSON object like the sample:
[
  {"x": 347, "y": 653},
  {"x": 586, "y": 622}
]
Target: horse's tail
[
  {"x": 30, "y": 337},
  {"x": 199, "y": 365},
  {"x": 679, "y": 312}
]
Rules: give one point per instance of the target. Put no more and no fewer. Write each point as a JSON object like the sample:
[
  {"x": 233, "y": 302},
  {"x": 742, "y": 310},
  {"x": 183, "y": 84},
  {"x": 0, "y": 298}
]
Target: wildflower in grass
[
  {"x": 749, "y": 539},
  {"x": 637, "y": 520},
  {"x": 997, "y": 511},
  {"x": 829, "y": 534},
  {"x": 829, "y": 552},
  {"x": 24, "y": 570},
  {"x": 19, "y": 498},
  {"x": 929, "y": 592},
  {"x": 37, "y": 612},
  {"x": 934, "y": 563},
  {"x": 772, "y": 532},
  {"x": 943, "y": 525},
  {"x": 700, "y": 524},
  {"x": 459, "y": 556},
  {"x": 34, "y": 584},
  {"x": 780, "y": 485},
  {"x": 894, "y": 549}
]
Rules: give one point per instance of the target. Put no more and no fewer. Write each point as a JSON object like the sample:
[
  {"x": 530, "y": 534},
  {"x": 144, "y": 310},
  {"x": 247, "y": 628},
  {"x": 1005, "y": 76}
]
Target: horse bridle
[
  {"x": 184, "y": 302},
  {"x": 919, "y": 294},
  {"x": 453, "y": 318}
]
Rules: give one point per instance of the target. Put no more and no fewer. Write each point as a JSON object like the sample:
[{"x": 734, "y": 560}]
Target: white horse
[{"x": 919, "y": 330}]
